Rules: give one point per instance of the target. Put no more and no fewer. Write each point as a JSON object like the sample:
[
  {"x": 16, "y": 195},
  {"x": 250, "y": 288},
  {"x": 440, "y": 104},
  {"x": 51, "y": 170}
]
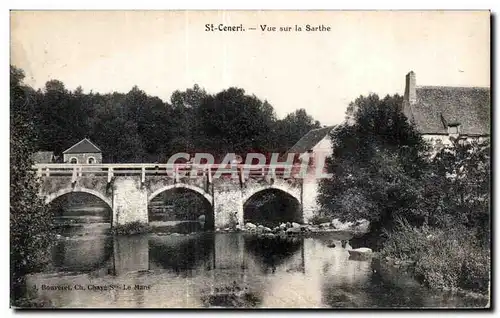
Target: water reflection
[
  {"x": 272, "y": 252},
  {"x": 180, "y": 253},
  {"x": 82, "y": 255},
  {"x": 223, "y": 270}
]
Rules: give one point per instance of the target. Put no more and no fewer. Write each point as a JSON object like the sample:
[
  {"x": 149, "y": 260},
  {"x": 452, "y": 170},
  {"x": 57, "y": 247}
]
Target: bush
[
  {"x": 131, "y": 228},
  {"x": 476, "y": 271},
  {"x": 30, "y": 219},
  {"x": 446, "y": 259},
  {"x": 318, "y": 219}
]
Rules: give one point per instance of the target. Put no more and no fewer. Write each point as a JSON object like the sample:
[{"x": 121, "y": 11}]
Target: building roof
[
  {"x": 43, "y": 157},
  {"x": 311, "y": 139},
  {"x": 437, "y": 107},
  {"x": 83, "y": 146}
]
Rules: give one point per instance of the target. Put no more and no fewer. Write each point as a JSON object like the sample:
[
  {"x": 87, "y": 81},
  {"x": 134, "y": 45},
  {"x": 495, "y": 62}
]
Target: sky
[{"x": 163, "y": 51}]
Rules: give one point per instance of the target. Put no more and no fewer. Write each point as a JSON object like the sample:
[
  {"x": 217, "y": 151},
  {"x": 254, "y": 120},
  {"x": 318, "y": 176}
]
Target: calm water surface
[{"x": 221, "y": 270}]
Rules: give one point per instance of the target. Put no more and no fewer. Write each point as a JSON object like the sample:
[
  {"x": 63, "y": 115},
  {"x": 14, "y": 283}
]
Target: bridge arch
[
  {"x": 51, "y": 197},
  {"x": 198, "y": 190},
  {"x": 272, "y": 205},
  {"x": 253, "y": 192}
]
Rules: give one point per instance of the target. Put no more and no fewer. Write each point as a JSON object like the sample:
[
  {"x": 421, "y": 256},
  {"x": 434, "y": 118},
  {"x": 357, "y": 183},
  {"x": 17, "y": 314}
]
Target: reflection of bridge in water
[
  {"x": 215, "y": 269},
  {"x": 177, "y": 253},
  {"x": 128, "y": 189}
]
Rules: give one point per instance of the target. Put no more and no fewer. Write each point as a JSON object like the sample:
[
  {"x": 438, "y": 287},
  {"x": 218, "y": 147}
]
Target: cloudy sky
[{"x": 322, "y": 72}]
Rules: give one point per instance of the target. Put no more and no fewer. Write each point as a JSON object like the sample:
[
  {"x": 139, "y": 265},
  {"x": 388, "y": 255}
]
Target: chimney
[{"x": 410, "y": 89}]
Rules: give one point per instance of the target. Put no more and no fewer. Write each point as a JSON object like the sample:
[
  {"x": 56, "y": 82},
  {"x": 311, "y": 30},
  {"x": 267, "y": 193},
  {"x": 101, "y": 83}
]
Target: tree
[
  {"x": 136, "y": 127},
  {"x": 117, "y": 136},
  {"x": 377, "y": 163},
  {"x": 235, "y": 122},
  {"x": 29, "y": 218},
  {"x": 293, "y": 127},
  {"x": 458, "y": 187}
]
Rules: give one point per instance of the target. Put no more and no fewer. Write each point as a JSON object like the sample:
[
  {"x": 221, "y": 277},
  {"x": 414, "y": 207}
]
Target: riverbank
[
  {"x": 444, "y": 259},
  {"x": 391, "y": 266}
]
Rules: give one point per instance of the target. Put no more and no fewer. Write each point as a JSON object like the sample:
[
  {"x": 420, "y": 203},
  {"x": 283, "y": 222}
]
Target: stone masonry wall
[{"x": 130, "y": 200}]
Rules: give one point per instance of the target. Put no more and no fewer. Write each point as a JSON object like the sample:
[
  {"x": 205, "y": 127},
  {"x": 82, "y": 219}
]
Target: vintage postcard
[{"x": 250, "y": 159}]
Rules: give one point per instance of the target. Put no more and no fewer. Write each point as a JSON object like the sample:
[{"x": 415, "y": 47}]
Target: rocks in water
[
  {"x": 362, "y": 253},
  {"x": 324, "y": 225},
  {"x": 313, "y": 228},
  {"x": 343, "y": 243},
  {"x": 293, "y": 230},
  {"x": 331, "y": 244},
  {"x": 341, "y": 225},
  {"x": 362, "y": 226},
  {"x": 283, "y": 226},
  {"x": 250, "y": 226},
  {"x": 361, "y": 250},
  {"x": 295, "y": 225},
  {"x": 305, "y": 228}
]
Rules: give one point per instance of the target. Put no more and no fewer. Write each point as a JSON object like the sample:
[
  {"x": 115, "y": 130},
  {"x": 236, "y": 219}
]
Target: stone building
[
  {"x": 316, "y": 141},
  {"x": 83, "y": 152},
  {"x": 317, "y": 144},
  {"x": 441, "y": 113}
]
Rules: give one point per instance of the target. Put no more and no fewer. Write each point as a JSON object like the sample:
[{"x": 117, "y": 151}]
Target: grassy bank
[{"x": 441, "y": 258}]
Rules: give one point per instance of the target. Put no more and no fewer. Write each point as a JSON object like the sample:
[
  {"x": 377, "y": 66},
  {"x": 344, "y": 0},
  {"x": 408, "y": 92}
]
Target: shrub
[
  {"x": 30, "y": 219},
  {"x": 131, "y": 228},
  {"x": 406, "y": 243},
  {"x": 318, "y": 219},
  {"x": 449, "y": 259},
  {"x": 476, "y": 270}
]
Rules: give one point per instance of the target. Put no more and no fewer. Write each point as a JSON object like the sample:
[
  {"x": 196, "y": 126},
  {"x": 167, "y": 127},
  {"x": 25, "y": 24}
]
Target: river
[{"x": 90, "y": 268}]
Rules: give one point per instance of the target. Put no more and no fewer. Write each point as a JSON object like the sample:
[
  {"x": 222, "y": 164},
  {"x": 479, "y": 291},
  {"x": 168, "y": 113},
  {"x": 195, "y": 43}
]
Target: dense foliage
[
  {"x": 427, "y": 206},
  {"x": 29, "y": 217},
  {"x": 441, "y": 258},
  {"x": 378, "y": 158},
  {"x": 136, "y": 127}
]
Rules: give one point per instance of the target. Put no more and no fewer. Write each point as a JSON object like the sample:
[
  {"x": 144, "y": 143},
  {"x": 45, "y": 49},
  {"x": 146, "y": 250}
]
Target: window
[
  {"x": 91, "y": 160},
  {"x": 73, "y": 160},
  {"x": 453, "y": 130}
]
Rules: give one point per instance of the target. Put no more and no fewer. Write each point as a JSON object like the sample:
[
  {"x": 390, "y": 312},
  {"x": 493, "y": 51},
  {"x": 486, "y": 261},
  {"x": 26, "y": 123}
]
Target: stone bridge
[{"x": 128, "y": 188}]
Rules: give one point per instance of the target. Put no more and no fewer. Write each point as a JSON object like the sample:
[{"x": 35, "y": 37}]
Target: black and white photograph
[{"x": 277, "y": 159}]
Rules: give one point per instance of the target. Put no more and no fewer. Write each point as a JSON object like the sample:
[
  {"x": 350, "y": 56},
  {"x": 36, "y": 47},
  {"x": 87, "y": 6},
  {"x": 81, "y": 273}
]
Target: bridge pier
[
  {"x": 130, "y": 200},
  {"x": 228, "y": 203},
  {"x": 310, "y": 205}
]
